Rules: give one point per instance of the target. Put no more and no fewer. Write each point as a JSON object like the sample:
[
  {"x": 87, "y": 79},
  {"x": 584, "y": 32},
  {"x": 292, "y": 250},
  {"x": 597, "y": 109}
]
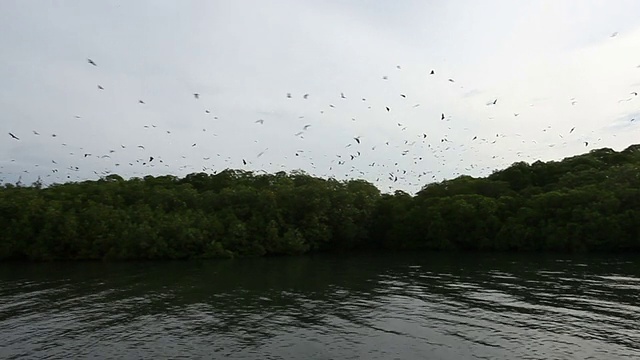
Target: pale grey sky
[{"x": 553, "y": 63}]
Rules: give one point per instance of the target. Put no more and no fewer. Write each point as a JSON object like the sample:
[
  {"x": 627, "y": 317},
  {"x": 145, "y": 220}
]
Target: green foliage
[{"x": 583, "y": 203}]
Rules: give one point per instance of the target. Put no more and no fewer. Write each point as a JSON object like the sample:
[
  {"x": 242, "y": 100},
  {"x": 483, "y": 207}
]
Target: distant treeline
[{"x": 589, "y": 202}]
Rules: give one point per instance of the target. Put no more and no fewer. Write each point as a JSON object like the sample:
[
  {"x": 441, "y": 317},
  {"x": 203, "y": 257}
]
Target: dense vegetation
[{"x": 584, "y": 203}]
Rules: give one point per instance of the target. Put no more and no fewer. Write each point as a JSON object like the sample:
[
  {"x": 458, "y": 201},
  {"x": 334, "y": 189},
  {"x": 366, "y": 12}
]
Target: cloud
[{"x": 552, "y": 63}]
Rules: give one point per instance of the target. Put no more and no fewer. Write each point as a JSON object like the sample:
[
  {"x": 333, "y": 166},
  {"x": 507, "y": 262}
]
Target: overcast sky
[{"x": 551, "y": 65}]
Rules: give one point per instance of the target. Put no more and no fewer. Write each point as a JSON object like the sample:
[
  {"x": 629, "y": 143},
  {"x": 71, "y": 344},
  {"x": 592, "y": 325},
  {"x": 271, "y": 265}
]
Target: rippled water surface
[{"x": 430, "y": 306}]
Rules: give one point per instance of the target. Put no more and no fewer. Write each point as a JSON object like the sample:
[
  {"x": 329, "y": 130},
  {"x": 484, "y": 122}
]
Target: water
[{"x": 431, "y": 306}]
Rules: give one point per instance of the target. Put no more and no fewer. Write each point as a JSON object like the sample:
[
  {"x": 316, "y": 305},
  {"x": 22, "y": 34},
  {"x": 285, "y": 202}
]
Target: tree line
[{"x": 589, "y": 202}]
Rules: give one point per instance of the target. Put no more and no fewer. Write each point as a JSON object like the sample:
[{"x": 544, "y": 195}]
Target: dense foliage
[{"x": 584, "y": 203}]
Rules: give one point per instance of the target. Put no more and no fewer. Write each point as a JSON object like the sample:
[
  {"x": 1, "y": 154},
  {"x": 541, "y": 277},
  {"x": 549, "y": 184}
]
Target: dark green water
[{"x": 430, "y": 306}]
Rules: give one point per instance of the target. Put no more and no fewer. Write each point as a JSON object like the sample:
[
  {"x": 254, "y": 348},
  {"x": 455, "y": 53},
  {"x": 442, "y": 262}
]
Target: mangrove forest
[{"x": 585, "y": 203}]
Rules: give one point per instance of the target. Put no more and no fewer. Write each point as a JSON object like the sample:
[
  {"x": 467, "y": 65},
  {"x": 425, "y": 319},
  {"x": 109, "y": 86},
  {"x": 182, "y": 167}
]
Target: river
[{"x": 395, "y": 306}]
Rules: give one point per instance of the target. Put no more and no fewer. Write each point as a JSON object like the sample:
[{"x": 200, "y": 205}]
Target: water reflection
[{"x": 408, "y": 306}]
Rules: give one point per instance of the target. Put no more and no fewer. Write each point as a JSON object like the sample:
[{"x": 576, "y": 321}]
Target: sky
[{"x": 339, "y": 89}]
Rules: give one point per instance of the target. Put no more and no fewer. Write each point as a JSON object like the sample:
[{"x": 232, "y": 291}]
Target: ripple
[{"x": 374, "y": 308}]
